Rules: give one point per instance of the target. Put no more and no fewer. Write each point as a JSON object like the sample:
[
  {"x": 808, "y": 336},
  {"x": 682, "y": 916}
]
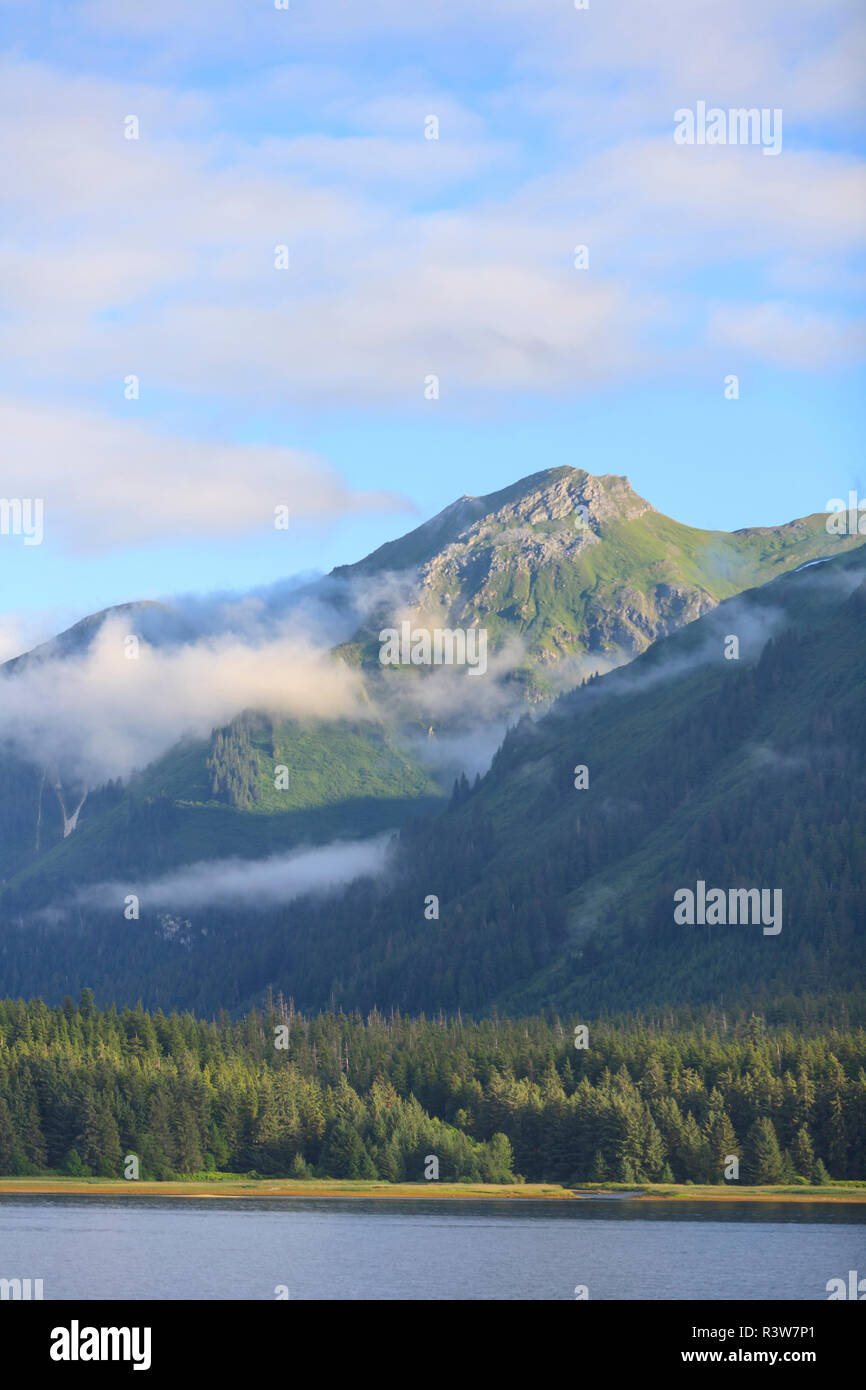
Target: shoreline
[{"x": 336, "y": 1189}]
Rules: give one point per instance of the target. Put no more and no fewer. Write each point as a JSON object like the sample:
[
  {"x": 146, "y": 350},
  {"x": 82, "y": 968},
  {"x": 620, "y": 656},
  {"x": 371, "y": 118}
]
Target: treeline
[{"x": 375, "y": 1097}]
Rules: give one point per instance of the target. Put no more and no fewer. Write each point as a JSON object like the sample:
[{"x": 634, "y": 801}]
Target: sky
[{"x": 241, "y": 308}]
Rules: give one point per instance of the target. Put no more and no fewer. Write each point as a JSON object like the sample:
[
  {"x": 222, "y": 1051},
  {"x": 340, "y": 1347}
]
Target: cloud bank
[
  {"x": 257, "y": 883},
  {"x": 108, "y": 483},
  {"x": 103, "y": 714}
]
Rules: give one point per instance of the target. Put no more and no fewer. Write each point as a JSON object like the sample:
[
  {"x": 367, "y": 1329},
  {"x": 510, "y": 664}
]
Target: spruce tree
[
  {"x": 820, "y": 1177},
  {"x": 803, "y": 1153},
  {"x": 764, "y": 1163}
]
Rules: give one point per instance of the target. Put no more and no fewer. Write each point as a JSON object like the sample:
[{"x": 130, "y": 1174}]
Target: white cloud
[
  {"x": 257, "y": 883},
  {"x": 20, "y": 632},
  {"x": 156, "y": 256},
  {"x": 105, "y": 482},
  {"x": 103, "y": 715},
  {"x": 786, "y": 334},
  {"x": 811, "y": 57}
]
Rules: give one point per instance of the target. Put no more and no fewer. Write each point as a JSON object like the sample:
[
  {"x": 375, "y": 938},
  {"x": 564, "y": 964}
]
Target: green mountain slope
[
  {"x": 569, "y": 565},
  {"x": 747, "y": 772},
  {"x": 568, "y": 572},
  {"x": 740, "y": 773},
  {"x": 218, "y": 798}
]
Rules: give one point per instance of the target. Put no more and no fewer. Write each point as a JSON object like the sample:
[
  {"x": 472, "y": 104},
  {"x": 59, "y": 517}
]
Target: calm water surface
[{"x": 159, "y": 1248}]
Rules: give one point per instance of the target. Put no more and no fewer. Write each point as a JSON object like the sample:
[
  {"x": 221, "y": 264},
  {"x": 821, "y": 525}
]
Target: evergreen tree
[
  {"x": 763, "y": 1159},
  {"x": 803, "y": 1153},
  {"x": 820, "y": 1177}
]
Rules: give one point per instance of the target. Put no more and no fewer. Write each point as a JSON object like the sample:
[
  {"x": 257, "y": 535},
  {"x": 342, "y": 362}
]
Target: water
[{"x": 184, "y": 1248}]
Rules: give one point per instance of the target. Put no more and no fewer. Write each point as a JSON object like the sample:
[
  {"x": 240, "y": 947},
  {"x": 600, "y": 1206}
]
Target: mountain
[
  {"x": 747, "y": 772},
  {"x": 568, "y": 573},
  {"x": 530, "y": 893},
  {"x": 570, "y": 564},
  {"x": 577, "y": 571},
  {"x": 218, "y": 800},
  {"x": 151, "y": 620}
]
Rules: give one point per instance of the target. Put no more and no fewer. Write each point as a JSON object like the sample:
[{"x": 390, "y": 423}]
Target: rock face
[
  {"x": 550, "y": 523},
  {"x": 568, "y": 572},
  {"x": 543, "y": 499}
]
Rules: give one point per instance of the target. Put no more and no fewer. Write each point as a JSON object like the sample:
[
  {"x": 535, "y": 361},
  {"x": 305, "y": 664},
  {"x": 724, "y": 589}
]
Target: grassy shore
[{"x": 236, "y": 1186}]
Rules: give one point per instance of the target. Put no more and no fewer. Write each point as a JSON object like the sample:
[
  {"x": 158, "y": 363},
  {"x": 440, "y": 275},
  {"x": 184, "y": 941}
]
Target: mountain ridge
[
  {"x": 548, "y": 897},
  {"x": 565, "y": 600}
]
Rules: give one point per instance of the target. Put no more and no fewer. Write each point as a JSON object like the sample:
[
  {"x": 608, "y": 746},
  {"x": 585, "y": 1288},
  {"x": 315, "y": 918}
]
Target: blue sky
[{"x": 410, "y": 257}]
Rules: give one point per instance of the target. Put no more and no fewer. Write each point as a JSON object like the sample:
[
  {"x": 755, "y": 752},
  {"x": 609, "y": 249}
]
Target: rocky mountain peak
[{"x": 549, "y": 499}]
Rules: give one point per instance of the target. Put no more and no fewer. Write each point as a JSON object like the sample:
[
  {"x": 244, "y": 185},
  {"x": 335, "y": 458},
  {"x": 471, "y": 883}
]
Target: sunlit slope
[
  {"x": 568, "y": 565},
  {"x": 567, "y": 572},
  {"x": 219, "y": 798}
]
